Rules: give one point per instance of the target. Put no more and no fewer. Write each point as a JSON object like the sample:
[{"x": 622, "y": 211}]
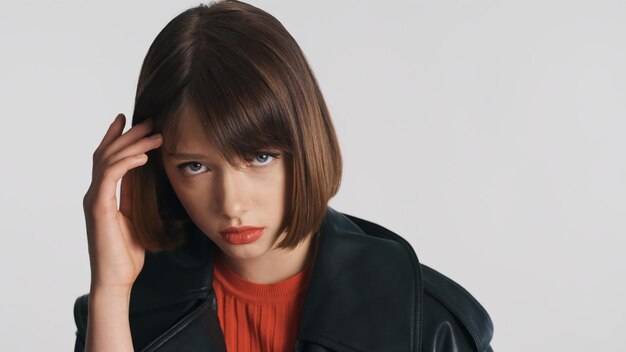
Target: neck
[{"x": 274, "y": 266}]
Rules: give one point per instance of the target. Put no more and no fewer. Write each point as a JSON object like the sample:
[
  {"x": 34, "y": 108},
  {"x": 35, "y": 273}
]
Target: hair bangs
[
  {"x": 240, "y": 114},
  {"x": 238, "y": 71}
]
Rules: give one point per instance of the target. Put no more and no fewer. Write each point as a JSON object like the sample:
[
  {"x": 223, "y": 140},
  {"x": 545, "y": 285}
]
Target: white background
[{"x": 490, "y": 134}]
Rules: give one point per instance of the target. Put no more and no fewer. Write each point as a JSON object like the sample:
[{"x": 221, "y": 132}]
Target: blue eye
[
  {"x": 263, "y": 157},
  {"x": 193, "y": 166}
]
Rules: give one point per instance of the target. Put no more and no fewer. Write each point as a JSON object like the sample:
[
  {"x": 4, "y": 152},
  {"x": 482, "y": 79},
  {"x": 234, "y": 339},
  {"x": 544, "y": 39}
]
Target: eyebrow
[{"x": 185, "y": 156}]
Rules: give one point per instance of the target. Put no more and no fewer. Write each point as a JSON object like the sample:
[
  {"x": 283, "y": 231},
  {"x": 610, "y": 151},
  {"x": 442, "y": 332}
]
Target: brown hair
[{"x": 238, "y": 68}]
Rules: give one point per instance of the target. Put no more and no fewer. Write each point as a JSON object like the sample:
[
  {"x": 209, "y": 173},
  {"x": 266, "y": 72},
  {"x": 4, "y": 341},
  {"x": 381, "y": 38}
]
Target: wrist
[{"x": 110, "y": 293}]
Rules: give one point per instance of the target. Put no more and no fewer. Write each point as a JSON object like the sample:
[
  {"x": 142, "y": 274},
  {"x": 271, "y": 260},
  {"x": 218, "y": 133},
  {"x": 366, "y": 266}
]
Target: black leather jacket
[{"x": 367, "y": 292}]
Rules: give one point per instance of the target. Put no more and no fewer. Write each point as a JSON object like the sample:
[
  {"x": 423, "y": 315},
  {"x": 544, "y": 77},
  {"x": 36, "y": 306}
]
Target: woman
[{"x": 224, "y": 239}]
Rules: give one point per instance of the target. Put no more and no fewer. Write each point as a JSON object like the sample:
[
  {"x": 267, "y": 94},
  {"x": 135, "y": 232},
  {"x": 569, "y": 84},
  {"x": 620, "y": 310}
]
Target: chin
[{"x": 241, "y": 252}]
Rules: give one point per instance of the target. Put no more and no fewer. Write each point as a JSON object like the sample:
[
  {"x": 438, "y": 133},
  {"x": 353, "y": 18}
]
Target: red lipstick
[{"x": 241, "y": 234}]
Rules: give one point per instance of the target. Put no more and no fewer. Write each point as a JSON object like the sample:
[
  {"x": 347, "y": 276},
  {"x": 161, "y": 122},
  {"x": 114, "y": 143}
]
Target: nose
[{"x": 232, "y": 196}]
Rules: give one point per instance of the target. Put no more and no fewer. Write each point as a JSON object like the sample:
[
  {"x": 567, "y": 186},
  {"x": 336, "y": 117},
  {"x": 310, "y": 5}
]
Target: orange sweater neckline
[{"x": 259, "y": 293}]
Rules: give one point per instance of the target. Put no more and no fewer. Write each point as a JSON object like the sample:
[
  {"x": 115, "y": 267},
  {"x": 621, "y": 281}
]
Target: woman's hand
[{"x": 115, "y": 255}]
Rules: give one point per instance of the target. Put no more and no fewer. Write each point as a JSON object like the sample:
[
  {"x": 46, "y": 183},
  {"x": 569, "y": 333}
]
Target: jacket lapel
[
  {"x": 169, "y": 306},
  {"x": 364, "y": 293},
  {"x": 365, "y": 289}
]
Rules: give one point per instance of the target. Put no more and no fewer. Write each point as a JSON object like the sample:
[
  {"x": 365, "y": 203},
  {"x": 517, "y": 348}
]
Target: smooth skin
[
  {"x": 115, "y": 257},
  {"x": 215, "y": 195}
]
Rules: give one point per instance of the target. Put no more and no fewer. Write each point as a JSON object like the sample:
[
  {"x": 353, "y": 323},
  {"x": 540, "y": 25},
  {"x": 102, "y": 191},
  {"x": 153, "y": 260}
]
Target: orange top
[{"x": 258, "y": 317}]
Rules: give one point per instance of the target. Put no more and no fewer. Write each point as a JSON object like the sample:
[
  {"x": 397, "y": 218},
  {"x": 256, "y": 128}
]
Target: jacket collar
[
  {"x": 365, "y": 289},
  {"x": 364, "y": 292}
]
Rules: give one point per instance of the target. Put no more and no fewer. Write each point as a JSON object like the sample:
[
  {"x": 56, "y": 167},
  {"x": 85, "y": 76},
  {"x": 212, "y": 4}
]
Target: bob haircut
[{"x": 238, "y": 69}]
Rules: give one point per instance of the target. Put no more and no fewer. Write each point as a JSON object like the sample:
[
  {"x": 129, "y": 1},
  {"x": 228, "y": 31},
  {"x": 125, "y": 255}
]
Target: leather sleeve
[
  {"x": 188, "y": 326},
  {"x": 79, "y": 346},
  {"x": 442, "y": 331},
  {"x": 453, "y": 320},
  {"x": 80, "y": 318}
]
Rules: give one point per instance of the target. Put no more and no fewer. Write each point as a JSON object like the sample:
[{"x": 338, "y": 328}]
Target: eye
[
  {"x": 264, "y": 159},
  {"x": 193, "y": 166}
]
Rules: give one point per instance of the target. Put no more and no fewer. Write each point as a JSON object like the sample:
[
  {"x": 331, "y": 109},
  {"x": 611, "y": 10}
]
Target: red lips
[{"x": 241, "y": 234}]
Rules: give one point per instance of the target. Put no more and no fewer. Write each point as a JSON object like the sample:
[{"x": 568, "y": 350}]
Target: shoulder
[
  {"x": 452, "y": 318},
  {"x": 452, "y": 315}
]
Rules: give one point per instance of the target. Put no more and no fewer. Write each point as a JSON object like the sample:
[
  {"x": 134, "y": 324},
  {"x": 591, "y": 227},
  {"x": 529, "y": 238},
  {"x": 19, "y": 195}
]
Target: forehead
[
  {"x": 190, "y": 138},
  {"x": 229, "y": 133}
]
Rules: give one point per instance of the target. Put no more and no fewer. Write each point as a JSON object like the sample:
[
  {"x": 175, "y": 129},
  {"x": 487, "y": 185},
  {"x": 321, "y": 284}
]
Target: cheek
[
  {"x": 270, "y": 190},
  {"x": 186, "y": 195},
  {"x": 196, "y": 207}
]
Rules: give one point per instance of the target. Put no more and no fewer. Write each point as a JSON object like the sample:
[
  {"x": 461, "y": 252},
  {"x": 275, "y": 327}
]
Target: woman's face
[{"x": 217, "y": 196}]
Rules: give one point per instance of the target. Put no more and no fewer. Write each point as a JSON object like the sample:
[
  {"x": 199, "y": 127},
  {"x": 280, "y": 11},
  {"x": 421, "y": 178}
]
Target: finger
[
  {"x": 139, "y": 147},
  {"x": 132, "y": 135},
  {"x": 115, "y": 129},
  {"x": 105, "y": 197}
]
